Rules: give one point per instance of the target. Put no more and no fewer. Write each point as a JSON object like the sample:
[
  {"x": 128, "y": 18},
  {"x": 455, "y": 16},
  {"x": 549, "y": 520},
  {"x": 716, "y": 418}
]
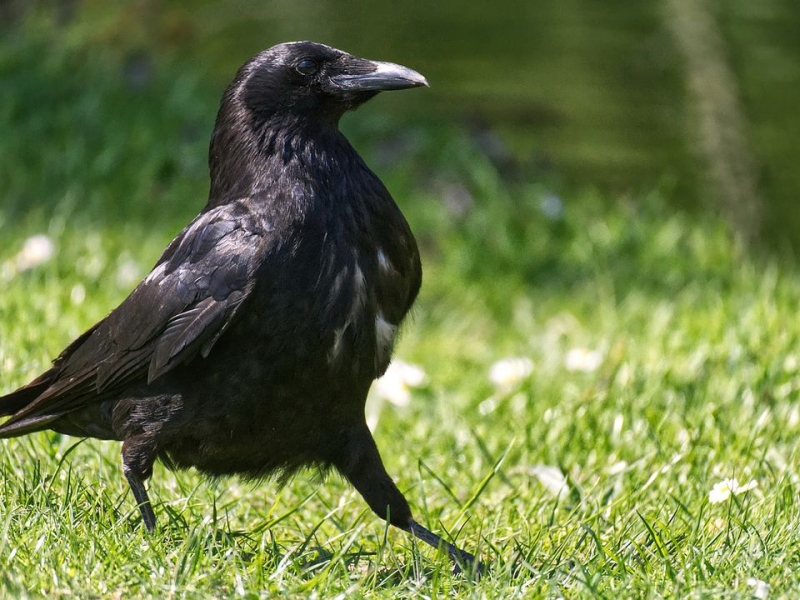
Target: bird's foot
[
  {"x": 142, "y": 499},
  {"x": 464, "y": 562}
]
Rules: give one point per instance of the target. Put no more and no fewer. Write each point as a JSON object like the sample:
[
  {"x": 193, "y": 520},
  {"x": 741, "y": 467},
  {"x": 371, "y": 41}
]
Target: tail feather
[
  {"x": 19, "y": 399},
  {"x": 11, "y": 404},
  {"x": 11, "y": 429}
]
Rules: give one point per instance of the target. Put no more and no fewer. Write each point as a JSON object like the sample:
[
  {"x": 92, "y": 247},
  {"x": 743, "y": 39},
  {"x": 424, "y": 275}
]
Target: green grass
[{"x": 698, "y": 381}]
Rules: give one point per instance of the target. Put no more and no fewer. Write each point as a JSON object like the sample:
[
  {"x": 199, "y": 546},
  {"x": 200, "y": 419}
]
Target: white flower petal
[
  {"x": 508, "y": 372},
  {"x": 750, "y": 485},
  {"x": 721, "y": 491},
  {"x": 77, "y": 294},
  {"x": 36, "y": 250},
  {"x": 398, "y": 381},
  {"x": 413, "y": 375},
  {"x": 760, "y": 588},
  {"x": 582, "y": 359},
  {"x": 551, "y": 478}
]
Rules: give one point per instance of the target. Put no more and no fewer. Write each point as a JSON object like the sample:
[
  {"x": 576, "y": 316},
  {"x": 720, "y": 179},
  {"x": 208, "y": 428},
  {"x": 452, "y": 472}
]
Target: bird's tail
[
  {"x": 18, "y": 399},
  {"x": 22, "y": 397}
]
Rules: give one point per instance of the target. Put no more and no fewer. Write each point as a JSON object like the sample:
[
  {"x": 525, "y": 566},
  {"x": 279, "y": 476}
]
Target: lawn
[{"x": 658, "y": 359}]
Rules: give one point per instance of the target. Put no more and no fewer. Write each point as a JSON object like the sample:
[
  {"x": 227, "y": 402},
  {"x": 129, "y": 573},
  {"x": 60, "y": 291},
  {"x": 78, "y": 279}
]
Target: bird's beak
[{"x": 373, "y": 76}]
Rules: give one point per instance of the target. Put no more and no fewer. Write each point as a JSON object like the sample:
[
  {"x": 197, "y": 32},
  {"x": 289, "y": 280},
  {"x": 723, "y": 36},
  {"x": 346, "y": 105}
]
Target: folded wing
[{"x": 177, "y": 313}]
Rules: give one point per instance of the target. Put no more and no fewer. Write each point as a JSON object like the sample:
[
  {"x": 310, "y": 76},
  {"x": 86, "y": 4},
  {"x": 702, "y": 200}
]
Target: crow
[{"x": 251, "y": 346}]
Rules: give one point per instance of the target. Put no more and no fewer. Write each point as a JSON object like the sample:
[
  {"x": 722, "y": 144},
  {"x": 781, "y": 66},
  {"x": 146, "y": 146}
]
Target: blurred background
[{"x": 698, "y": 100}]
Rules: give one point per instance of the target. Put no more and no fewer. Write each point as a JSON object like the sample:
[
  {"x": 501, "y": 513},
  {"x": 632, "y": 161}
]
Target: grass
[{"x": 698, "y": 379}]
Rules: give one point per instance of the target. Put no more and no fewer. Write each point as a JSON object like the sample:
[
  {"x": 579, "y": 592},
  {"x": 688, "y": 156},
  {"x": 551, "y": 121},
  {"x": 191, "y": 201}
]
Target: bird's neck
[{"x": 247, "y": 160}]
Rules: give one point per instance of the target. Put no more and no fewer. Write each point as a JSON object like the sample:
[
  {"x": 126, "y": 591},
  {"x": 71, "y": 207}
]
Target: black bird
[{"x": 250, "y": 347}]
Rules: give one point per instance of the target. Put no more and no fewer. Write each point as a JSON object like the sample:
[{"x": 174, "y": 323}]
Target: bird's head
[
  {"x": 285, "y": 98},
  {"x": 314, "y": 81}
]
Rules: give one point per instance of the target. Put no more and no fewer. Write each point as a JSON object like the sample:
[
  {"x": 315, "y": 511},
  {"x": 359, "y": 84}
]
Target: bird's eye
[{"x": 307, "y": 66}]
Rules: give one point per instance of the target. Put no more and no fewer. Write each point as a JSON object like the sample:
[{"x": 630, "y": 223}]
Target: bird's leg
[
  {"x": 361, "y": 464},
  {"x": 137, "y": 465},
  {"x": 462, "y": 558},
  {"x": 142, "y": 499}
]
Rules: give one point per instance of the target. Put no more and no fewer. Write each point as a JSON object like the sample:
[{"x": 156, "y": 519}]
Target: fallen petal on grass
[{"x": 552, "y": 479}]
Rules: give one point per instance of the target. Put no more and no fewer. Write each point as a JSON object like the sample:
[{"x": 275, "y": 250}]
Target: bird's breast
[
  {"x": 334, "y": 293},
  {"x": 361, "y": 326}
]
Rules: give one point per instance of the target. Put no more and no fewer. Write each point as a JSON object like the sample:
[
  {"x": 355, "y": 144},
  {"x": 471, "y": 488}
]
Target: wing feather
[
  {"x": 188, "y": 331},
  {"x": 179, "y": 311}
]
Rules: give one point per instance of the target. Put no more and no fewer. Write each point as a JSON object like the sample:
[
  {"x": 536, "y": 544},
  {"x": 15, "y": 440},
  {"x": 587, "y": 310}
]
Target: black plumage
[{"x": 251, "y": 346}]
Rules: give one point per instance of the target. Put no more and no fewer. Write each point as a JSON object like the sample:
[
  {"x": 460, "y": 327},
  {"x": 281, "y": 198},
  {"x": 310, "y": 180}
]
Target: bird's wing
[{"x": 178, "y": 312}]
